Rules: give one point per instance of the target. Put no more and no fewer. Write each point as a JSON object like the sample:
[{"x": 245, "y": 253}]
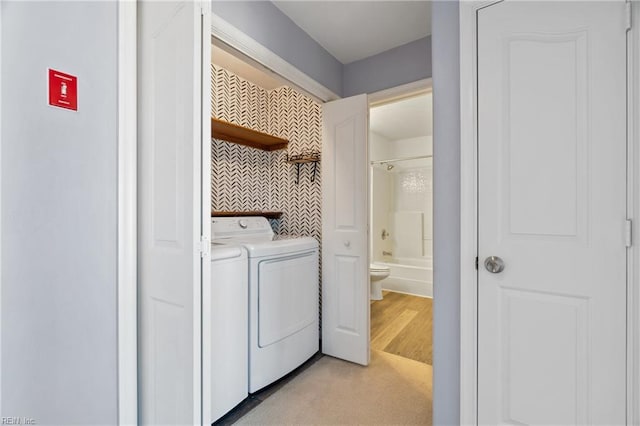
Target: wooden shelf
[
  {"x": 268, "y": 215},
  {"x": 244, "y": 136}
]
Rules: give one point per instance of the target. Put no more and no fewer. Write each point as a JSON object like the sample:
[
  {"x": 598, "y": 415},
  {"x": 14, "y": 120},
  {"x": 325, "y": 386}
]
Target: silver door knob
[{"x": 494, "y": 264}]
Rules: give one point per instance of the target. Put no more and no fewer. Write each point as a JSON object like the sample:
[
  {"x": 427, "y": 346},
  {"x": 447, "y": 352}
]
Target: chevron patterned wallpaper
[{"x": 244, "y": 178}]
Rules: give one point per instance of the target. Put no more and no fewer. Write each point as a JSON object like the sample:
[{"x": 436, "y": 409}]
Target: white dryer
[{"x": 283, "y": 296}]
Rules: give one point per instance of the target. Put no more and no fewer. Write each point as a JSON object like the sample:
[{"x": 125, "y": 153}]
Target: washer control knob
[{"x": 243, "y": 223}]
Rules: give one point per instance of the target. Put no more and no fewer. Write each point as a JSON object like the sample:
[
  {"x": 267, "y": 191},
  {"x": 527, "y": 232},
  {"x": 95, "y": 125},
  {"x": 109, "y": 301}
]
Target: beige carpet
[{"x": 391, "y": 390}]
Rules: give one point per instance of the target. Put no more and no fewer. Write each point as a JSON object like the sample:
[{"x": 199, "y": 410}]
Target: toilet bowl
[{"x": 377, "y": 273}]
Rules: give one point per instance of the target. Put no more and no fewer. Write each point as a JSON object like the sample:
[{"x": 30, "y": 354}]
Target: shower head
[{"x": 389, "y": 167}]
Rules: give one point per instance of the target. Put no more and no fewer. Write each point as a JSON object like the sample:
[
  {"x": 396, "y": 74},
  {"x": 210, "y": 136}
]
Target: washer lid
[{"x": 222, "y": 252}]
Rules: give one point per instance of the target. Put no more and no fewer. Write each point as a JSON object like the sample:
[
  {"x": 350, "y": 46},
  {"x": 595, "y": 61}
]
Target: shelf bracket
[{"x": 300, "y": 159}]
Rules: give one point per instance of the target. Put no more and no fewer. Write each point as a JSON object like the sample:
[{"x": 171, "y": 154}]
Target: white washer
[
  {"x": 283, "y": 296},
  {"x": 229, "y": 328}
]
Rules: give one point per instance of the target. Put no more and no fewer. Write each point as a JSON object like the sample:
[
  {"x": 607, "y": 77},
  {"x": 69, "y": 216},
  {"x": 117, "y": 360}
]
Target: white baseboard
[{"x": 406, "y": 286}]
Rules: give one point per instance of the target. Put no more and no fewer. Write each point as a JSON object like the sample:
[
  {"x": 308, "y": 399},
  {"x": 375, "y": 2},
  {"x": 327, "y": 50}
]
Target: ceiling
[
  {"x": 353, "y": 30},
  {"x": 404, "y": 119}
]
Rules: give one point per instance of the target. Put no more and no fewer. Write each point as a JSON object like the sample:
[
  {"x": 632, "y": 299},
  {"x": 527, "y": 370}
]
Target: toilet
[{"x": 377, "y": 273}]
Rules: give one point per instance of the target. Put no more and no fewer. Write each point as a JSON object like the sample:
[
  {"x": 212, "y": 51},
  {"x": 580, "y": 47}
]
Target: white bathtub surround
[
  {"x": 408, "y": 227},
  {"x": 413, "y": 193},
  {"x": 409, "y": 276}
]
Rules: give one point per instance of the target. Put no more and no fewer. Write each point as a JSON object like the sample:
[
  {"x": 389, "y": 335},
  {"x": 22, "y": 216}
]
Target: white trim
[
  {"x": 206, "y": 214},
  {"x": 468, "y": 213},
  {"x": 633, "y": 307},
  {"x": 402, "y": 91},
  {"x": 232, "y": 36},
  {"x": 201, "y": 264},
  {"x": 1, "y": 7},
  {"x": 127, "y": 215}
]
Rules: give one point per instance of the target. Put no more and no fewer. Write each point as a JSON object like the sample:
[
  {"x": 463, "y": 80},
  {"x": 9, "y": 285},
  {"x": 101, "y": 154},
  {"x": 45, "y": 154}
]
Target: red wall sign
[{"x": 63, "y": 90}]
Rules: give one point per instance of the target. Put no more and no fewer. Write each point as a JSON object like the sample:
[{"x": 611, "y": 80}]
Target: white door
[
  {"x": 552, "y": 205},
  {"x": 171, "y": 129},
  {"x": 345, "y": 221}
]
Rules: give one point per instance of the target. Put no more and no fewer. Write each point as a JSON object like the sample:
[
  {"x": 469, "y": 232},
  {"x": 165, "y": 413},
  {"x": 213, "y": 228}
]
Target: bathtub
[{"x": 410, "y": 276}]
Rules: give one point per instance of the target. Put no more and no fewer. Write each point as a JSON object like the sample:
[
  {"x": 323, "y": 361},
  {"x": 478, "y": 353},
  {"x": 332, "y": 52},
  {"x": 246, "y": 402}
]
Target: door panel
[
  {"x": 169, "y": 211},
  {"x": 552, "y": 204},
  {"x": 538, "y": 203},
  {"x": 345, "y": 221}
]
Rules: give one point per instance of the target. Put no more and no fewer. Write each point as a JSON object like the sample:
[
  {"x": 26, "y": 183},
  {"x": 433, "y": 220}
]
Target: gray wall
[
  {"x": 446, "y": 213},
  {"x": 394, "y": 67},
  {"x": 59, "y": 182},
  {"x": 266, "y": 24}
]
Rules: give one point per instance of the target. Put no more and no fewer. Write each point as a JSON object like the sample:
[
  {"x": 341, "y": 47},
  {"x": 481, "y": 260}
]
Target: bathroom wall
[
  {"x": 402, "y": 197},
  {"x": 244, "y": 178}
]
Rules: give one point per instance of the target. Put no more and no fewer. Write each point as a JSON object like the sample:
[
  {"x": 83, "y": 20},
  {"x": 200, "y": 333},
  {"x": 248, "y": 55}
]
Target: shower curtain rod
[{"x": 393, "y": 160}]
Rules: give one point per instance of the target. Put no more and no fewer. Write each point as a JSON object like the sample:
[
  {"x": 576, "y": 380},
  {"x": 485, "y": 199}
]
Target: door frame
[
  {"x": 633, "y": 211},
  {"x": 469, "y": 214},
  {"x": 1, "y": 206},
  {"x": 206, "y": 346},
  {"x": 127, "y": 316},
  {"x": 400, "y": 92},
  {"x": 383, "y": 97}
]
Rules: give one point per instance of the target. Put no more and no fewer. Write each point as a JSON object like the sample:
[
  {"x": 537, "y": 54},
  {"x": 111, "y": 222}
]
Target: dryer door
[{"x": 287, "y": 296}]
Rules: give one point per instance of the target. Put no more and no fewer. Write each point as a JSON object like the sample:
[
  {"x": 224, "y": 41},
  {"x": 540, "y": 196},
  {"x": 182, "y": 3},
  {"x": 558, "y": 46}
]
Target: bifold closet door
[{"x": 171, "y": 129}]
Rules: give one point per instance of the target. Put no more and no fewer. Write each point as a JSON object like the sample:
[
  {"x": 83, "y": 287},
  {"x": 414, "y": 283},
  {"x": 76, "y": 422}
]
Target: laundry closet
[{"x": 265, "y": 199}]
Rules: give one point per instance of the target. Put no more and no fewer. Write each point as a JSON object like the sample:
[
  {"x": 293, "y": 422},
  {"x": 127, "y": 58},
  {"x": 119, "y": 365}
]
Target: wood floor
[{"x": 401, "y": 325}]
